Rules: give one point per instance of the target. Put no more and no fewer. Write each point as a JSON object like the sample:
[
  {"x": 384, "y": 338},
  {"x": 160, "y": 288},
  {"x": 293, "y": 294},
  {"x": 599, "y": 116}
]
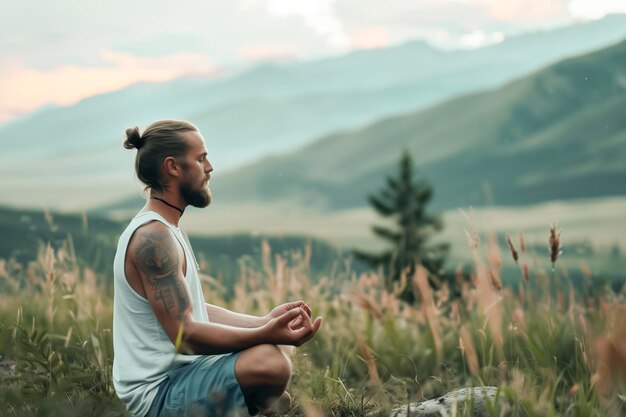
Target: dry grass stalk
[
  {"x": 560, "y": 300},
  {"x": 398, "y": 288},
  {"x": 455, "y": 311},
  {"x": 495, "y": 280},
  {"x": 50, "y": 220},
  {"x": 605, "y": 311},
  {"x": 458, "y": 276},
  {"x": 489, "y": 302},
  {"x": 309, "y": 409},
  {"x": 308, "y": 251},
  {"x": 85, "y": 221},
  {"x": 522, "y": 243},
  {"x": 266, "y": 259},
  {"x": 611, "y": 353},
  {"x": 240, "y": 298},
  {"x": 10, "y": 279},
  {"x": 472, "y": 239},
  {"x": 442, "y": 296},
  {"x": 364, "y": 301},
  {"x": 368, "y": 280},
  {"x": 467, "y": 349},
  {"x": 420, "y": 281},
  {"x": 525, "y": 272},
  {"x": 277, "y": 281},
  {"x": 389, "y": 303},
  {"x": 572, "y": 302},
  {"x": 493, "y": 252},
  {"x": 47, "y": 261},
  {"x": 519, "y": 319},
  {"x": 512, "y": 248},
  {"x": 584, "y": 340},
  {"x": 366, "y": 351},
  {"x": 554, "y": 243}
]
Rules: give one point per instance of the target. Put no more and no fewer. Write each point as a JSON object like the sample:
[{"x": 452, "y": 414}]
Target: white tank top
[{"x": 143, "y": 353}]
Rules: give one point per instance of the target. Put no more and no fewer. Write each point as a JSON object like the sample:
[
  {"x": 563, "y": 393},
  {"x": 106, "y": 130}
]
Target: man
[{"x": 175, "y": 355}]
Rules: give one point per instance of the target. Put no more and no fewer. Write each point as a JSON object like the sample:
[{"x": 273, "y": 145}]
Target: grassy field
[
  {"x": 598, "y": 220},
  {"x": 552, "y": 350},
  {"x": 594, "y": 229}
]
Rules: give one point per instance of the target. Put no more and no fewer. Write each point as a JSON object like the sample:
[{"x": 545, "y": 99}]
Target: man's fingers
[
  {"x": 283, "y": 308},
  {"x": 295, "y": 324},
  {"x": 310, "y": 327},
  {"x": 288, "y": 316},
  {"x": 306, "y": 319},
  {"x": 305, "y": 325},
  {"x": 294, "y": 304},
  {"x": 312, "y": 331},
  {"x": 317, "y": 324},
  {"x": 307, "y": 309}
]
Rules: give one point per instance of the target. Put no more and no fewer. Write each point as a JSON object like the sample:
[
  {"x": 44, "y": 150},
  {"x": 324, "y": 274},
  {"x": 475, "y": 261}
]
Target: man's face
[{"x": 194, "y": 184}]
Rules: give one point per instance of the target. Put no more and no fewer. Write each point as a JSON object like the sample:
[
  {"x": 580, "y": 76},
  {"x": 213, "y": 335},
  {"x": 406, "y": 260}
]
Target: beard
[{"x": 196, "y": 196}]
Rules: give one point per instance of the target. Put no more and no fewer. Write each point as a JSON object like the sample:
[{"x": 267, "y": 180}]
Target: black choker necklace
[{"x": 168, "y": 204}]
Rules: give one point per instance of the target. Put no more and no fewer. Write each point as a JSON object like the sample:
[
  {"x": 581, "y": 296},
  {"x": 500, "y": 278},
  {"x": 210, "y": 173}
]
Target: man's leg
[
  {"x": 288, "y": 350},
  {"x": 263, "y": 373}
]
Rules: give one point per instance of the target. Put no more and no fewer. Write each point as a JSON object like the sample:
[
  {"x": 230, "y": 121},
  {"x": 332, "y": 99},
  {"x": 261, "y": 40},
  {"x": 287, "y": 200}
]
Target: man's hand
[
  {"x": 296, "y": 323},
  {"x": 279, "y": 330}
]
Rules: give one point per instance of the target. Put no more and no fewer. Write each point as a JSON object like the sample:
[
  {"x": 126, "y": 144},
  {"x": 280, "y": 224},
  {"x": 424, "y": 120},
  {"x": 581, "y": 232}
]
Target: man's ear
[{"x": 171, "y": 167}]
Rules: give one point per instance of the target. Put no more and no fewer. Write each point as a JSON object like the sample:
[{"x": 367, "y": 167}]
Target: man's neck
[{"x": 168, "y": 206}]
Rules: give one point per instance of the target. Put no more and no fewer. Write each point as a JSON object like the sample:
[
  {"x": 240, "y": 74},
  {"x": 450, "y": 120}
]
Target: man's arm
[
  {"x": 154, "y": 252},
  {"x": 224, "y": 316}
]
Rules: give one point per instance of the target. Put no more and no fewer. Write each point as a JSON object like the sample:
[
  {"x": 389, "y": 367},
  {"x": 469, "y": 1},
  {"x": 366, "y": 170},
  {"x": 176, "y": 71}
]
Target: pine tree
[{"x": 404, "y": 200}]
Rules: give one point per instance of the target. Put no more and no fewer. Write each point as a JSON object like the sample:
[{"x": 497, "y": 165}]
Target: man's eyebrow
[{"x": 205, "y": 153}]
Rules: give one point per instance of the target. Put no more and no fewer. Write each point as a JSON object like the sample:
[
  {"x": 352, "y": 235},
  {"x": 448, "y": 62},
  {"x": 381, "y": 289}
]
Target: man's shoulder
[
  {"x": 151, "y": 233},
  {"x": 151, "y": 226}
]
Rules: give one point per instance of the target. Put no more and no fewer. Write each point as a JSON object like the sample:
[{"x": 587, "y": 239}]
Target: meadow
[{"x": 552, "y": 347}]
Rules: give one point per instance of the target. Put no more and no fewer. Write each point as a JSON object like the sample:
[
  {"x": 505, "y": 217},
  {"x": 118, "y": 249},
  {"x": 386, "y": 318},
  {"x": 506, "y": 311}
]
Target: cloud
[
  {"x": 262, "y": 52},
  {"x": 95, "y": 47},
  {"x": 369, "y": 37},
  {"x": 479, "y": 38},
  {"x": 318, "y": 15},
  {"x": 523, "y": 10},
  {"x": 24, "y": 88},
  {"x": 595, "y": 9}
]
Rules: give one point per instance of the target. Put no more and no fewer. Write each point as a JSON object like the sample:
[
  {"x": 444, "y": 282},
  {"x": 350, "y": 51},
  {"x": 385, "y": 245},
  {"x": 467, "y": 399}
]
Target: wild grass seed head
[
  {"x": 554, "y": 243},
  {"x": 512, "y": 248}
]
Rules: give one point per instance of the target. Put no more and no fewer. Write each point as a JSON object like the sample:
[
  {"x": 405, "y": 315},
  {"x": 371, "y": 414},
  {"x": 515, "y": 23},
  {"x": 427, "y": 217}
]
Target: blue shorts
[{"x": 205, "y": 387}]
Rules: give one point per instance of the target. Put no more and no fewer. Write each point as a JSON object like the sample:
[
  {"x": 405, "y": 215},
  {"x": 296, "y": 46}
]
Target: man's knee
[{"x": 263, "y": 365}]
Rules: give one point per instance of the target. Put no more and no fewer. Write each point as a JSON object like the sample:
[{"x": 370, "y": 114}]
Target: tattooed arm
[{"x": 157, "y": 257}]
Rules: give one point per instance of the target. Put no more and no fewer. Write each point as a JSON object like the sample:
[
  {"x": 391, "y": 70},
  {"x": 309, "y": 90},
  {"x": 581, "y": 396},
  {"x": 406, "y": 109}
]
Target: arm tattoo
[{"x": 157, "y": 259}]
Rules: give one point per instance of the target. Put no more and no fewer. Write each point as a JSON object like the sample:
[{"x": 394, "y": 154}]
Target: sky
[{"x": 55, "y": 52}]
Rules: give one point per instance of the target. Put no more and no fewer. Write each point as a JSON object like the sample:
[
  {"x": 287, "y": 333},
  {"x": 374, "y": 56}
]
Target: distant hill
[
  {"x": 94, "y": 241},
  {"x": 71, "y": 157},
  {"x": 557, "y": 134}
]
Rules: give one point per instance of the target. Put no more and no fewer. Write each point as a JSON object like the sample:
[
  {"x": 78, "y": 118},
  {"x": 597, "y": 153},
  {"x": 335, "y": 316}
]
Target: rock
[{"x": 477, "y": 397}]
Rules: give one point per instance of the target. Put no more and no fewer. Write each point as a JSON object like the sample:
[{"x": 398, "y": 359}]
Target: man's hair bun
[{"x": 133, "y": 138}]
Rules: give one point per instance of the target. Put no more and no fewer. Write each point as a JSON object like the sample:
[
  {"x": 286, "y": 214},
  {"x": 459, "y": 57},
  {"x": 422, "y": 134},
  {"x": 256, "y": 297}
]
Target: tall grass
[{"x": 550, "y": 350}]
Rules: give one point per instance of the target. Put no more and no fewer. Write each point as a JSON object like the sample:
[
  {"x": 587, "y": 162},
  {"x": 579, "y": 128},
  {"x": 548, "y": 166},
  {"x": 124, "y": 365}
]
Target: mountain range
[
  {"x": 557, "y": 134},
  {"x": 72, "y": 157}
]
